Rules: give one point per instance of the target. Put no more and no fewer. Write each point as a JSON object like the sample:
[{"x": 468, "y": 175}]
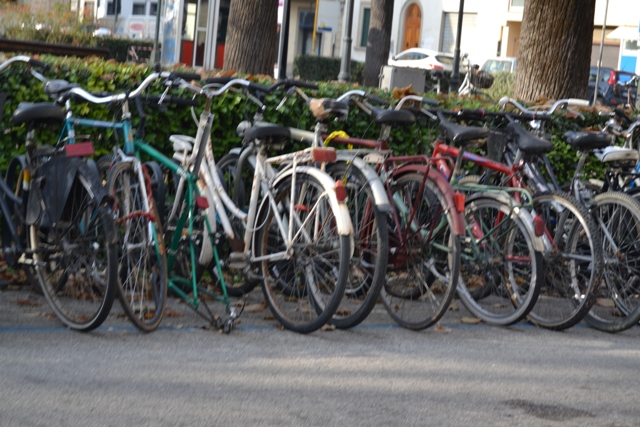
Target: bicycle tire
[
  {"x": 573, "y": 261},
  {"x": 76, "y": 259},
  {"x": 303, "y": 292},
  {"x": 507, "y": 261},
  {"x": 367, "y": 273},
  {"x": 424, "y": 270},
  {"x": 227, "y": 169},
  {"x": 142, "y": 270},
  {"x": 617, "y": 306}
]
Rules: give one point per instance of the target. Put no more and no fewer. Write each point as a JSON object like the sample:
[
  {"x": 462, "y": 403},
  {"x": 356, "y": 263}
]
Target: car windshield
[
  {"x": 443, "y": 59},
  {"x": 495, "y": 65}
]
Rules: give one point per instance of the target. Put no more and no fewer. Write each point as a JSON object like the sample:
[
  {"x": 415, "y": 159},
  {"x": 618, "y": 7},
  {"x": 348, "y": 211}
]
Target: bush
[
  {"x": 119, "y": 47},
  {"x": 318, "y": 68},
  {"x": 97, "y": 75},
  {"x": 503, "y": 84}
]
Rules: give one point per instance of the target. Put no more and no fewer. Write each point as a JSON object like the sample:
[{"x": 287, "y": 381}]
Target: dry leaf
[
  {"x": 454, "y": 307},
  {"x": 343, "y": 312},
  {"x": 328, "y": 327},
  {"x": 604, "y": 302},
  {"x": 255, "y": 308},
  {"x": 172, "y": 313},
  {"x": 442, "y": 329},
  {"x": 269, "y": 317},
  {"x": 28, "y": 302},
  {"x": 470, "y": 321}
]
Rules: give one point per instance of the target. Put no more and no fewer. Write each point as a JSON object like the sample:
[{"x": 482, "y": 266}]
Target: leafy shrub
[
  {"x": 318, "y": 68},
  {"x": 97, "y": 76},
  {"x": 119, "y": 47},
  {"x": 503, "y": 83}
]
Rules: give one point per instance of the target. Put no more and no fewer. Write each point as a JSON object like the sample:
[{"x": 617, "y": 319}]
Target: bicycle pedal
[{"x": 238, "y": 260}]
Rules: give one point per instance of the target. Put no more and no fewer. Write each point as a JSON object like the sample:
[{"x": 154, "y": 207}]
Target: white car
[
  {"x": 102, "y": 32},
  {"x": 507, "y": 63},
  {"x": 423, "y": 58}
]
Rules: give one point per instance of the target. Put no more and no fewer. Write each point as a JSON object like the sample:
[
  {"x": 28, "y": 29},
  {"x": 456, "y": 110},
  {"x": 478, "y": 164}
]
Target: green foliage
[
  {"x": 503, "y": 83},
  {"x": 119, "y": 46},
  {"x": 54, "y": 23},
  {"x": 97, "y": 75},
  {"x": 318, "y": 68}
]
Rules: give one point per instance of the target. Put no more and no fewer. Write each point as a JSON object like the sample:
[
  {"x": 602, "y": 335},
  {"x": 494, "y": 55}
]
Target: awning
[{"x": 624, "y": 33}]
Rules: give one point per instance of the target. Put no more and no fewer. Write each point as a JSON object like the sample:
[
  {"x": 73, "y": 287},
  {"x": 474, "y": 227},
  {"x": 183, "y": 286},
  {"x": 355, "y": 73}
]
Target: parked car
[
  {"x": 605, "y": 74},
  {"x": 506, "y": 63},
  {"x": 616, "y": 87},
  {"x": 423, "y": 58},
  {"x": 102, "y": 32}
]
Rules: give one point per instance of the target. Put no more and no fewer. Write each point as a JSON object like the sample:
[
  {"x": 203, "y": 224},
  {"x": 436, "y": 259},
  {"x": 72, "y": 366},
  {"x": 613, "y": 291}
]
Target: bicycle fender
[
  {"x": 444, "y": 186},
  {"x": 377, "y": 187},
  {"x": 523, "y": 214},
  {"x": 343, "y": 218}
]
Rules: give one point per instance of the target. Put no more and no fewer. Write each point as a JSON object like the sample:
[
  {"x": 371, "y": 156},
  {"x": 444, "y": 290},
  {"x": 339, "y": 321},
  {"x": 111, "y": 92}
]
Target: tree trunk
[
  {"x": 251, "y": 36},
  {"x": 379, "y": 40},
  {"x": 555, "y": 49}
]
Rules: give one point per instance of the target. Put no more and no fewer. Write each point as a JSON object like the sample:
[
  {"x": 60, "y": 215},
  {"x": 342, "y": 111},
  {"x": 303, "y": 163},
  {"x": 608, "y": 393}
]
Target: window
[
  {"x": 139, "y": 9},
  {"x": 517, "y": 3},
  {"x": 111, "y": 8},
  {"x": 153, "y": 9},
  {"x": 364, "y": 32}
]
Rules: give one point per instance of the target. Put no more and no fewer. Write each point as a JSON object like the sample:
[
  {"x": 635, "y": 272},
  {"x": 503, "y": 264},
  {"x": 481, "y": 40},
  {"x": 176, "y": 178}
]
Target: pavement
[{"x": 376, "y": 374}]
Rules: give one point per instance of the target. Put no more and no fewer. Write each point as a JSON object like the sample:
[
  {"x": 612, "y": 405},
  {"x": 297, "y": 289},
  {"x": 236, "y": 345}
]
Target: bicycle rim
[
  {"x": 572, "y": 261},
  {"x": 498, "y": 257},
  {"x": 617, "y": 305},
  {"x": 142, "y": 269},
  {"x": 75, "y": 260},
  {"x": 304, "y": 291},
  {"x": 424, "y": 260}
]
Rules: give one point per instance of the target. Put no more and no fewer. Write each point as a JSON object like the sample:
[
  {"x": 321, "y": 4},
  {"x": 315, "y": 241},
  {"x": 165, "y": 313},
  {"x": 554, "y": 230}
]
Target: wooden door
[{"x": 412, "y": 23}]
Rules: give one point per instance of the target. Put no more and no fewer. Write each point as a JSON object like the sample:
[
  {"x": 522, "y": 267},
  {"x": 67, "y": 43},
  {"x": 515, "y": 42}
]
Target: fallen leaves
[
  {"x": 470, "y": 321},
  {"x": 438, "y": 327},
  {"x": 28, "y": 302}
]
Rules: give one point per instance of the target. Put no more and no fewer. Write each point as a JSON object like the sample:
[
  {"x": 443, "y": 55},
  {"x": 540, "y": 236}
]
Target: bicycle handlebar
[{"x": 570, "y": 102}]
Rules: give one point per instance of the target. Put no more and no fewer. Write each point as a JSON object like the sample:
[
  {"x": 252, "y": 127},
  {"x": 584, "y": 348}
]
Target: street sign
[{"x": 328, "y": 15}]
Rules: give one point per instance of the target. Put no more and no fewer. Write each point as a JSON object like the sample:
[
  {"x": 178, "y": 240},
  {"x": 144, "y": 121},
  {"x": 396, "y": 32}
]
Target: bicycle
[
  {"x": 65, "y": 218},
  {"x": 299, "y": 233},
  {"x": 617, "y": 216},
  {"x": 423, "y": 217},
  {"x": 572, "y": 261}
]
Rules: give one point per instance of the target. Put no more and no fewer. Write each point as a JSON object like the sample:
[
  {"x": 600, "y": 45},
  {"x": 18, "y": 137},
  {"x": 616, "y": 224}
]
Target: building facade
[{"x": 491, "y": 28}]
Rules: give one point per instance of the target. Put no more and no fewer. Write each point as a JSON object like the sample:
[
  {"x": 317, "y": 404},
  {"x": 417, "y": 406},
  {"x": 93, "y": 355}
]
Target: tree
[
  {"x": 555, "y": 49},
  {"x": 379, "y": 40},
  {"x": 251, "y": 36}
]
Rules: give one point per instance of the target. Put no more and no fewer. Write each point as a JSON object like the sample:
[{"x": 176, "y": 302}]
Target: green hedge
[
  {"x": 97, "y": 75},
  {"x": 318, "y": 68},
  {"x": 119, "y": 47}
]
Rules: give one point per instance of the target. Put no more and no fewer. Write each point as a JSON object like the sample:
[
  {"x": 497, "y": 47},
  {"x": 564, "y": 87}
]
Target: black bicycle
[{"x": 57, "y": 222}]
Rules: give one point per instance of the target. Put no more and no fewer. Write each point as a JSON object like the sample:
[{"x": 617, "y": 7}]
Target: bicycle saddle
[
  {"x": 267, "y": 134},
  {"x": 39, "y": 113},
  {"x": 325, "y": 108},
  {"x": 527, "y": 142},
  {"x": 393, "y": 117},
  {"x": 587, "y": 140},
  {"x": 461, "y": 134}
]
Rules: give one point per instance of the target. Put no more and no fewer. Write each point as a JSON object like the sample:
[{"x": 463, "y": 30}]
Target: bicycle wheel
[
  {"x": 498, "y": 255},
  {"x": 424, "y": 260},
  {"x": 237, "y": 285},
  {"x": 76, "y": 259},
  {"x": 573, "y": 262},
  {"x": 617, "y": 305},
  {"x": 304, "y": 289},
  {"x": 371, "y": 248},
  {"x": 142, "y": 261}
]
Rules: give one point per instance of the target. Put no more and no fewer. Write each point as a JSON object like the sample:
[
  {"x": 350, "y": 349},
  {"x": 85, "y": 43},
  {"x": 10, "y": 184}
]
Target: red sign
[{"x": 136, "y": 26}]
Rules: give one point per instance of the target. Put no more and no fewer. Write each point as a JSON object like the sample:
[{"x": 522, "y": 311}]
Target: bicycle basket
[
  {"x": 496, "y": 143},
  {"x": 481, "y": 79}
]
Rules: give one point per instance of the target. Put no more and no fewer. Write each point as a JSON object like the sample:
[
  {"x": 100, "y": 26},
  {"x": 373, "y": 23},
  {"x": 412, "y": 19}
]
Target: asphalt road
[{"x": 374, "y": 375}]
